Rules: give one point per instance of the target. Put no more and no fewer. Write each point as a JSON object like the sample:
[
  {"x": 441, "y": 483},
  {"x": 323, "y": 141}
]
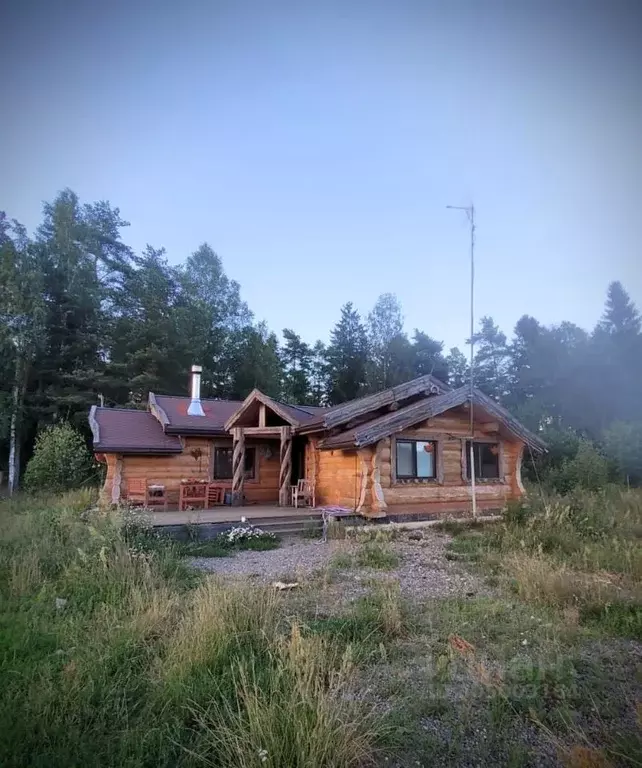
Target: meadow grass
[
  {"x": 114, "y": 653},
  {"x": 582, "y": 551}
]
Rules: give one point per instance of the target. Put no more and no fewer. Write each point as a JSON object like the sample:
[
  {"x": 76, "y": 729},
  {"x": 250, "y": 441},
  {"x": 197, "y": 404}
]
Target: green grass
[
  {"x": 218, "y": 547},
  {"x": 148, "y": 664},
  {"x": 369, "y": 555},
  {"x": 581, "y": 552}
]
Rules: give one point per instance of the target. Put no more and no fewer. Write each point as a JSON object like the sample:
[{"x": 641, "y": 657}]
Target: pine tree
[
  {"x": 428, "y": 356},
  {"x": 318, "y": 374},
  {"x": 458, "y": 371},
  {"x": 347, "y": 357},
  {"x": 491, "y": 360},
  {"x": 620, "y": 317},
  {"x": 297, "y": 361},
  {"x": 385, "y": 329}
]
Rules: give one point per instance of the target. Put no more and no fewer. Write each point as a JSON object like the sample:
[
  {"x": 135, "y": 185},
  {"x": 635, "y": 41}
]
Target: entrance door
[{"x": 298, "y": 459}]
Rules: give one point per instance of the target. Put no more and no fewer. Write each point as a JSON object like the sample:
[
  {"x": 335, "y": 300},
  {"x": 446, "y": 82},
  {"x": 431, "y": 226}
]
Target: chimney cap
[{"x": 197, "y": 369}]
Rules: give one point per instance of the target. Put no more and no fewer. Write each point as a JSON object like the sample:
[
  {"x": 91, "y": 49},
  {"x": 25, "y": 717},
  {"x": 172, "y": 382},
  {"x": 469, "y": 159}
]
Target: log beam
[
  {"x": 238, "y": 465},
  {"x": 117, "y": 480},
  {"x": 285, "y": 471}
]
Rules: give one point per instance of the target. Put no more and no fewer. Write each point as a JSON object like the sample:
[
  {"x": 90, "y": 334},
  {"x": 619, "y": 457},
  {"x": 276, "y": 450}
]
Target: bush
[
  {"x": 589, "y": 469},
  {"x": 60, "y": 461}
]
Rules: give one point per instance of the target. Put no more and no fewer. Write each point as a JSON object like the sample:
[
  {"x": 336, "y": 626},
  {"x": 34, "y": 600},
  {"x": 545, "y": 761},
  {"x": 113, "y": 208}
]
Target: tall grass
[
  {"x": 583, "y": 551},
  {"x": 113, "y": 653}
]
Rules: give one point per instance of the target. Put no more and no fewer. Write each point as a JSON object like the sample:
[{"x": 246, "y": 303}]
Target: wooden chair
[
  {"x": 303, "y": 491},
  {"x": 192, "y": 495},
  {"x": 156, "y": 496},
  {"x": 136, "y": 493},
  {"x": 215, "y": 495}
]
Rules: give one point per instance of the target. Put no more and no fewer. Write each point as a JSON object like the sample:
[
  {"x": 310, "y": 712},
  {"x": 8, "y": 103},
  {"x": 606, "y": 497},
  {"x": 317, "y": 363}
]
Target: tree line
[{"x": 84, "y": 319}]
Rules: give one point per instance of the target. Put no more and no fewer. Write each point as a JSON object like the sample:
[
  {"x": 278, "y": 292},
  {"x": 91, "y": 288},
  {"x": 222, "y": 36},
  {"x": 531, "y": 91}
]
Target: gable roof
[
  {"x": 345, "y": 412},
  {"x": 396, "y": 421},
  {"x": 171, "y": 412},
  {"x": 125, "y": 430},
  {"x": 295, "y": 415}
]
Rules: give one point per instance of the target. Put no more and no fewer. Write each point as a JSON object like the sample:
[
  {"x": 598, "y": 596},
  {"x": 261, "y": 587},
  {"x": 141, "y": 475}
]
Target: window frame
[
  {"x": 249, "y": 476},
  {"x": 499, "y": 478},
  {"x": 415, "y": 477}
]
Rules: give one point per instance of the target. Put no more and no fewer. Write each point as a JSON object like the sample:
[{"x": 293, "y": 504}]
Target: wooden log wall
[
  {"x": 338, "y": 478},
  {"x": 449, "y": 430},
  {"x": 169, "y": 470}
]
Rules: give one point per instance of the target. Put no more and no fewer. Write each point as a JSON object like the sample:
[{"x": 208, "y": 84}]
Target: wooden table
[{"x": 203, "y": 495}]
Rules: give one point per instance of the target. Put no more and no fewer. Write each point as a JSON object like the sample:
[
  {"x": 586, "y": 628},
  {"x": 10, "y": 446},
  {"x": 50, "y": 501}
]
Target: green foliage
[
  {"x": 623, "y": 446},
  {"x": 81, "y": 314},
  {"x": 374, "y": 555},
  {"x": 578, "y": 552},
  {"x": 114, "y": 654},
  {"x": 588, "y": 469},
  {"x": 347, "y": 357},
  {"x": 60, "y": 461}
]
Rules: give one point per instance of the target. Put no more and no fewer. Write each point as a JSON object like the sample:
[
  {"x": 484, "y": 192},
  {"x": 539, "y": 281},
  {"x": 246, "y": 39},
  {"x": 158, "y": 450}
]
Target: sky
[{"x": 315, "y": 146}]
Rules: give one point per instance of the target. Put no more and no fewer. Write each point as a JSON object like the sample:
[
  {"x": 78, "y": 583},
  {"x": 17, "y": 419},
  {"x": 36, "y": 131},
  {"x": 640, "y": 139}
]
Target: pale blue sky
[{"x": 316, "y": 145}]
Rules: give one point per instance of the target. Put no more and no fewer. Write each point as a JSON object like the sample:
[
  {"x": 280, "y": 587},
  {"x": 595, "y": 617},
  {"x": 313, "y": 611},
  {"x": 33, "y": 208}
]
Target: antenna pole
[{"x": 470, "y": 214}]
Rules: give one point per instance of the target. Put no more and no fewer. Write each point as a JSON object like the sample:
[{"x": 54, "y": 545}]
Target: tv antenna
[{"x": 469, "y": 210}]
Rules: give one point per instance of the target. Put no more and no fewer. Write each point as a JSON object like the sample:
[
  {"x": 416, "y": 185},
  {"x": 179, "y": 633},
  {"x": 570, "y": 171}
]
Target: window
[
  {"x": 416, "y": 459},
  {"x": 486, "y": 456},
  {"x": 222, "y": 469}
]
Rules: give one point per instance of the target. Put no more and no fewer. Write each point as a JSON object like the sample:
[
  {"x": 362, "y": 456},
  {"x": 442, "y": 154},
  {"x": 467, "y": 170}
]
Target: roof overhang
[
  {"x": 256, "y": 396},
  {"x": 396, "y": 421}
]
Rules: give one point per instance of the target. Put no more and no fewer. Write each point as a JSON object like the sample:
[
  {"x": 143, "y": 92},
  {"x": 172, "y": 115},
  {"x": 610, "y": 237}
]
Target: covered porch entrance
[
  {"x": 262, "y": 419},
  {"x": 279, "y": 439}
]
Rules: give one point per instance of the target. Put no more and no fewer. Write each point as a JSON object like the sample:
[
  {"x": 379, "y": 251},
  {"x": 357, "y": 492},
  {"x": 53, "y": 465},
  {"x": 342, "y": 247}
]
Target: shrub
[
  {"x": 589, "y": 469},
  {"x": 60, "y": 461}
]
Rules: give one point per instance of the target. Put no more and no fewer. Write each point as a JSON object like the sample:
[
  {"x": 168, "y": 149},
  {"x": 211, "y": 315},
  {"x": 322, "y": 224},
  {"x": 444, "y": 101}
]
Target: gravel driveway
[{"x": 423, "y": 569}]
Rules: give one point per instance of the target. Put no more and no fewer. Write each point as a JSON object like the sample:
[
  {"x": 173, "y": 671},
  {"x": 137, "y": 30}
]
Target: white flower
[{"x": 263, "y": 755}]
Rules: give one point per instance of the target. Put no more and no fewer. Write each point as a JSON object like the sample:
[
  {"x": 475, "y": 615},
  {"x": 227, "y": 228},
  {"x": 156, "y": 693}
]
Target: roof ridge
[
  {"x": 206, "y": 399},
  {"x": 120, "y": 408}
]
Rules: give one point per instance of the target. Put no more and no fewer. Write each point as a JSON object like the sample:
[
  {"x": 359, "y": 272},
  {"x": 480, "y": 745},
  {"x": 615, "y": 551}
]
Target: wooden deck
[
  {"x": 258, "y": 513},
  {"x": 252, "y": 514}
]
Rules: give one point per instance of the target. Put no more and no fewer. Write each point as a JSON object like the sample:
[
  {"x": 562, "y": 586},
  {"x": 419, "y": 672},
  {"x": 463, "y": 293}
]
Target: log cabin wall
[
  {"x": 170, "y": 470},
  {"x": 336, "y": 475},
  {"x": 450, "y": 431}
]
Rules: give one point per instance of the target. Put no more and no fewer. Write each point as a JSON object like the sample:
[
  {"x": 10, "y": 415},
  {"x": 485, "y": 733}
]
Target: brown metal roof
[
  {"x": 125, "y": 430},
  {"x": 172, "y": 412}
]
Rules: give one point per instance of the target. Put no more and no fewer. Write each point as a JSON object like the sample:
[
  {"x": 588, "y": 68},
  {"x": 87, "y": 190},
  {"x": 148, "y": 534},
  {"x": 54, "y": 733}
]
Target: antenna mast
[{"x": 470, "y": 215}]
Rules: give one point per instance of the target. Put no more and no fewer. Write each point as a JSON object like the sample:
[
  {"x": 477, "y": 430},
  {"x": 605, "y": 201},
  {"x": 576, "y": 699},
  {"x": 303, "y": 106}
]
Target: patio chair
[
  {"x": 136, "y": 493},
  {"x": 303, "y": 491},
  {"x": 214, "y": 495},
  {"x": 156, "y": 496}
]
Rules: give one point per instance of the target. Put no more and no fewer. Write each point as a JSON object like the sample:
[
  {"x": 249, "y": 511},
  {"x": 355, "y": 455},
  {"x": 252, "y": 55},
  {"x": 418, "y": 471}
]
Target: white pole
[{"x": 470, "y": 213}]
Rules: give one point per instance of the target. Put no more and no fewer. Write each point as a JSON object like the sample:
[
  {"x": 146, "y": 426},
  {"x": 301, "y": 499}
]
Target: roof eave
[{"x": 142, "y": 450}]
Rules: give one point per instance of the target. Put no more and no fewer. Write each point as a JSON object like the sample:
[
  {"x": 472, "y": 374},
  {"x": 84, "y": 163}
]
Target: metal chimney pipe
[{"x": 195, "y": 407}]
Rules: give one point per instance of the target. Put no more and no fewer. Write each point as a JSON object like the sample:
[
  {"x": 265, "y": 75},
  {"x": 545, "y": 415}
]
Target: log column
[
  {"x": 285, "y": 473},
  {"x": 378, "y": 504},
  {"x": 117, "y": 480},
  {"x": 238, "y": 466}
]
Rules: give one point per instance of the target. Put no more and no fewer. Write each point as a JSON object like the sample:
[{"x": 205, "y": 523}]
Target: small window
[
  {"x": 486, "y": 457},
  {"x": 416, "y": 459},
  {"x": 222, "y": 469}
]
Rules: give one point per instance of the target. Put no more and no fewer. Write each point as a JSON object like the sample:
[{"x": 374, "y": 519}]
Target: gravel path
[{"x": 423, "y": 570}]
